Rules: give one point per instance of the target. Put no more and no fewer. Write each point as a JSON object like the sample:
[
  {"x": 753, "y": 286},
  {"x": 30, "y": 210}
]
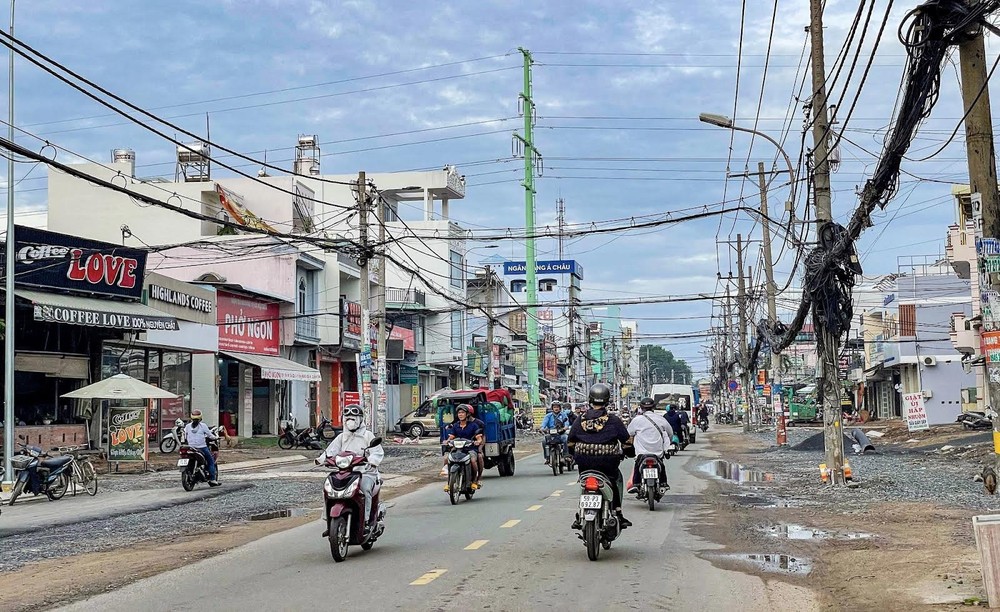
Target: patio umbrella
[{"x": 119, "y": 386}]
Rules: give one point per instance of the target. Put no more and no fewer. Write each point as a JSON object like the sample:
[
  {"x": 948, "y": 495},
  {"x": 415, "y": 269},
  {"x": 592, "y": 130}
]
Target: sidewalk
[{"x": 32, "y": 516}]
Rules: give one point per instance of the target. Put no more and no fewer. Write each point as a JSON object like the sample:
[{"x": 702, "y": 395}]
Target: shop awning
[
  {"x": 426, "y": 369},
  {"x": 95, "y": 312},
  {"x": 276, "y": 368}
]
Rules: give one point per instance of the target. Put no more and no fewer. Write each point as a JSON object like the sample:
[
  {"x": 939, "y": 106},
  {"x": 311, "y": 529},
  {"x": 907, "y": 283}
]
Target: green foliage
[{"x": 660, "y": 363}]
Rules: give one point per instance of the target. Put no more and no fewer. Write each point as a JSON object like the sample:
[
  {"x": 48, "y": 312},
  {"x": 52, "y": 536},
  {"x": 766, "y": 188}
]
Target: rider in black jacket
[{"x": 596, "y": 440}]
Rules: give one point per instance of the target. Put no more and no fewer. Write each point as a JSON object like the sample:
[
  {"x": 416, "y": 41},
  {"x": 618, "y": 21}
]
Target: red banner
[
  {"x": 406, "y": 335},
  {"x": 247, "y": 325}
]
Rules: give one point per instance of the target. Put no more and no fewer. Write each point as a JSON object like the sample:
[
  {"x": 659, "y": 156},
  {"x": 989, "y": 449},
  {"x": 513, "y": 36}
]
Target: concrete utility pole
[
  {"x": 727, "y": 318},
  {"x": 828, "y": 345},
  {"x": 741, "y": 305},
  {"x": 8, "y": 338},
  {"x": 531, "y": 158},
  {"x": 364, "y": 359},
  {"x": 383, "y": 324},
  {"x": 982, "y": 174},
  {"x": 821, "y": 126},
  {"x": 771, "y": 291}
]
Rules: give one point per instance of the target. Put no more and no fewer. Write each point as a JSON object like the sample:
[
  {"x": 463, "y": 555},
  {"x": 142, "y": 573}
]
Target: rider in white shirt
[
  {"x": 355, "y": 439},
  {"x": 651, "y": 435}
]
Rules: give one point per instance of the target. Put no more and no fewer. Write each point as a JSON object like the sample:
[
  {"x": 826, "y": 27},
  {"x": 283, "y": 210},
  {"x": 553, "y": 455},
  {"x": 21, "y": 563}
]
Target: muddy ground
[{"x": 880, "y": 555}]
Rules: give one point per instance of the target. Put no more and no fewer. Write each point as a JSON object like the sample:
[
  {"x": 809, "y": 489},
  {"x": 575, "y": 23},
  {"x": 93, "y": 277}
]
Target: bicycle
[{"x": 82, "y": 471}]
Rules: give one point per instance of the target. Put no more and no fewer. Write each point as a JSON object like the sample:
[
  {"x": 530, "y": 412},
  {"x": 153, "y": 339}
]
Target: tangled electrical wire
[{"x": 831, "y": 268}]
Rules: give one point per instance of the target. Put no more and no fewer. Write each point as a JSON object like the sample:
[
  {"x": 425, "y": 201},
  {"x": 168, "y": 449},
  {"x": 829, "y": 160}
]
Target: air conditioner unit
[
  {"x": 928, "y": 394},
  {"x": 929, "y": 361}
]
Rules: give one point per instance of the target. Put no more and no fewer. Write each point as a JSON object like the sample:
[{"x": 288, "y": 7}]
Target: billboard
[
  {"x": 559, "y": 266},
  {"x": 247, "y": 325}
]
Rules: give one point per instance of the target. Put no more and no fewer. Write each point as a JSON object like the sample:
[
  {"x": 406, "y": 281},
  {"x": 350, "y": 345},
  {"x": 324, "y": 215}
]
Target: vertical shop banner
[
  {"x": 916, "y": 414},
  {"x": 127, "y": 434},
  {"x": 415, "y": 397},
  {"x": 247, "y": 325},
  {"x": 170, "y": 411}
]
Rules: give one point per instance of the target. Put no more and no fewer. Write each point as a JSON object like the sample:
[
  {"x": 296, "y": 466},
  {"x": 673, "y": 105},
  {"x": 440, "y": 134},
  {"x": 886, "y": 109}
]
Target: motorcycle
[
  {"x": 460, "y": 470},
  {"x": 306, "y": 438},
  {"x": 558, "y": 461},
  {"x": 194, "y": 466},
  {"x": 703, "y": 423},
  {"x": 598, "y": 524},
  {"x": 326, "y": 430},
  {"x": 649, "y": 487},
  {"x": 975, "y": 420},
  {"x": 723, "y": 418},
  {"x": 692, "y": 430},
  {"x": 344, "y": 502},
  {"x": 172, "y": 439},
  {"x": 524, "y": 420},
  {"x": 53, "y": 473}
]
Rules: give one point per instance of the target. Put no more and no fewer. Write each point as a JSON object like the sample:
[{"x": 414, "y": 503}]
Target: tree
[{"x": 657, "y": 365}]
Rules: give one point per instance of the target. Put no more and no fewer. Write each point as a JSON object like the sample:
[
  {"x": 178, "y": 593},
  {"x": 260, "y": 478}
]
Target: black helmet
[
  {"x": 599, "y": 395},
  {"x": 647, "y": 403}
]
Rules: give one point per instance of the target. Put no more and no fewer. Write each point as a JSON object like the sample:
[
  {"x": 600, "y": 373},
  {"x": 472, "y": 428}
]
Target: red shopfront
[{"x": 254, "y": 377}]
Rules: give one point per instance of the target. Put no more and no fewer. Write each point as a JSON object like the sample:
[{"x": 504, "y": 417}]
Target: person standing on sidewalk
[{"x": 198, "y": 435}]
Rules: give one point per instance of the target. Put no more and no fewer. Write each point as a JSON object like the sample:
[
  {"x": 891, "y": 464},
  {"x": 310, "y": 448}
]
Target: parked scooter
[
  {"x": 598, "y": 524},
  {"x": 975, "y": 420},
  {"x": 558, "y": 460},
  {"x": 345, "y": 505},
  {"x": 692, "y": 432},
  {"x": 172, "y": 439},
  {"x": 306, "y": 437},
  {"x": 460, "y": 470},
  {"x": 194, "y": 466},
  {"x": 649, "y": 486},
  {"x": 53, "y": 473},
  {"x": 523, "y": 420}
]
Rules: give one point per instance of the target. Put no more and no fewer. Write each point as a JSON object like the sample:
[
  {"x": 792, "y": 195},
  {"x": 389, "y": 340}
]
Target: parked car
[{"x": 420, "y": 422}]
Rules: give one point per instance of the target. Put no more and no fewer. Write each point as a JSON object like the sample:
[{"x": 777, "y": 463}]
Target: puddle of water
[
  {"x": 751, "y": 499},
  {"x": 735, "y": 472},
  {"x": 772, "y": 564},
  {"x": 276, "y": 514},
  {"x": 800, "y": 532}
]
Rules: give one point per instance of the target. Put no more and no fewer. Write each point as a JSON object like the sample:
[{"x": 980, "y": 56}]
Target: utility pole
[
  {"x": 741, "y": 305},
  {"x": 381, "y": 318},
  {"x": 827, "y": 344},
  {"x": 8, "y": 395},
  {"x": 982, "y": 178},
  {"x": 727, "y": 321},
  {"x": 772, "y": 309},
  {"x": 364, "y": 359},
  {"x": 821, "y": 126},
  {"x": 526, "y": 145},
  {"x": 489, "y": 329}
]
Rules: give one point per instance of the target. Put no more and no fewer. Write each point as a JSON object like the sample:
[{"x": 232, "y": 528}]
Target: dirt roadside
[{"x": 885, "y": 556}]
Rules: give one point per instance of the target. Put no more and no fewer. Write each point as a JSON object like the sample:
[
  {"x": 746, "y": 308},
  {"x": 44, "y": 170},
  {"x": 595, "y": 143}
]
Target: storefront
[
  {"x": 73, "y": 295},
  {"x": 253, "y": 387},
  {"x": 338, "y": 365}
]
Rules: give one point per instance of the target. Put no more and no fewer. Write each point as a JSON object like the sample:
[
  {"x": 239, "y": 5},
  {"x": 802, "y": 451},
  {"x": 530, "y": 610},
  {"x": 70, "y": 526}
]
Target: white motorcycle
[{"x": 172, "y": 439}]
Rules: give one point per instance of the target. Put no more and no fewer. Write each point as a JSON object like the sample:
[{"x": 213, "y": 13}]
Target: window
[
  {"x": 456, "y": 331},
  {"x": 303, "y": 297},
  {"x": 517, "y": 286},
  {"x": 418, "y": 330},
  {"x": 457, "y": 270}
]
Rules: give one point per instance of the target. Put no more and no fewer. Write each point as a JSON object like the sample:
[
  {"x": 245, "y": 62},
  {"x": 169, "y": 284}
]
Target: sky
[{"x": 393, "y": 86}]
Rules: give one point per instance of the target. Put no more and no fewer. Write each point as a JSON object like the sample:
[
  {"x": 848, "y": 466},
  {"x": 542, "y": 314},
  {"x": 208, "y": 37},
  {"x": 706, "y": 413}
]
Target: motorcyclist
[
  {"x": 685, "y": 419},
  {"x": 553, "y": 421},
  {"x": 596, "y": 440},
  {"x": 198, "y": 435},
  {"x": 480, "y": 445},
  {"x": 465, "y": 428},
  {"x": 651, "y": 435},
  {"x": 703, "y": 414},
  {"x": 355, "y": 439},
  {"x": 673, "y": 417}
]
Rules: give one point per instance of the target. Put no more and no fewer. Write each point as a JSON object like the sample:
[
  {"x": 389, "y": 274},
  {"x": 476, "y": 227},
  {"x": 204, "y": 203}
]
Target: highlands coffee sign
[{"x": 51, "y": 260}]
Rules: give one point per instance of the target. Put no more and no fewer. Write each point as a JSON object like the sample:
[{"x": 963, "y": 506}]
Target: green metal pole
[{"x": 529, "y": 226}]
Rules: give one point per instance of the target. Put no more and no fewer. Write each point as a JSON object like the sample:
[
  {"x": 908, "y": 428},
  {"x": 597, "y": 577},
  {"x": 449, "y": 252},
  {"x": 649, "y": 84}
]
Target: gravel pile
[{"x": 886, "y": 476}]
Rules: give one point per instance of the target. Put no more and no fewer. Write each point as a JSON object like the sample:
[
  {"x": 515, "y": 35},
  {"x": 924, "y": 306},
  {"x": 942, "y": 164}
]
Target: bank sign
[
  {"x": 51, "y": 260},
  {"x": 557, "y": 266},
  {"x": 247, "y": 325}
]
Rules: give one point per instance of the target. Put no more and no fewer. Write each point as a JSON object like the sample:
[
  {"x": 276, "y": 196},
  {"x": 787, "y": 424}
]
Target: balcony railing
[
  {"x": 306, "y": 327},
  {"x": 405, "y": 297}
]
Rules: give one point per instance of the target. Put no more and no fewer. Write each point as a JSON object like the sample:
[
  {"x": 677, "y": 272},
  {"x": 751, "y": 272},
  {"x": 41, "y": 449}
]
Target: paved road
[{"x": 510, "y": 548}]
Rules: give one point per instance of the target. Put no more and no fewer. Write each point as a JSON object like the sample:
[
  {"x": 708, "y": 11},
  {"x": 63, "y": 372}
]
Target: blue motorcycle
[{"x": 39, "y": 472}]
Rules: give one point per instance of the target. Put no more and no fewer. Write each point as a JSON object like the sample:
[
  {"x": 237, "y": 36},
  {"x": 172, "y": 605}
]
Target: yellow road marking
[
  {"x": 556, "y": 493},
  {"x": 533, "y": 508},
  {"x": 429, "y": 577},
  {"x": 476, "y": 545},
  {"x": 510, "y": 523}
]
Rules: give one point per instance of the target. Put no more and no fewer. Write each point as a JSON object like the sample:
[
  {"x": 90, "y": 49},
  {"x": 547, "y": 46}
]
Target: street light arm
[{"x": 788, "y": 160}]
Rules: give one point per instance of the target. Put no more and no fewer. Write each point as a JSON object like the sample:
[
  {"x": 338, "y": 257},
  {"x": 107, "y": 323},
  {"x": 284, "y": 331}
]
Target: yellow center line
[
  {"x": 510, "y": 523},
  {"x": 476, "y": 545},
  {"x": 429, "y": 577},
  {"x": 556, "y": 493},
  {"x": 533, "y": 508}
]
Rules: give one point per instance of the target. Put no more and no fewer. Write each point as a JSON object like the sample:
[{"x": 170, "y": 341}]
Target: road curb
[{"x": 73, "y": 519}]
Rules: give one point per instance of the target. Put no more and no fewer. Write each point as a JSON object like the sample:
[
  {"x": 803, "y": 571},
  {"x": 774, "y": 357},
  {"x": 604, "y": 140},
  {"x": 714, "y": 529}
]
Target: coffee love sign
[{"x": 59, "y": 261}]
